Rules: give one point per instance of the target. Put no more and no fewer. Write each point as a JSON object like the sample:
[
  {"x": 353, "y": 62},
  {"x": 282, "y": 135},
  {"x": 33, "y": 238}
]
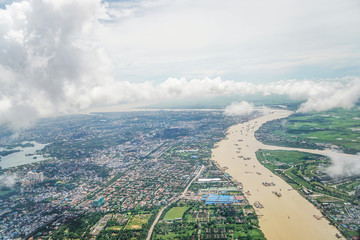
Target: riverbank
[
  {"x": 287, "y": 217},
  {"x": 22, "y": 155}
]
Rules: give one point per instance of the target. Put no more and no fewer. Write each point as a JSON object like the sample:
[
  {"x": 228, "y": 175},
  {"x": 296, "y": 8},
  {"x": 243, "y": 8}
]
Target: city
[
  {"x": 140, "y": 175},
  {"x": 179, "y": 120}
]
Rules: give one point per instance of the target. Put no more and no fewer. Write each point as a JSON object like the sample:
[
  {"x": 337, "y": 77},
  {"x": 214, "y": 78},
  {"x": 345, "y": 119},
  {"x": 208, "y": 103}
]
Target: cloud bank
[
  {"x": 47, "y": 64},
  {"x": 343, "y": 165},
  {"x": 253, "y": 40},
  {"x": 239, "y": 109},
  {"x": 55, "y": 59},
  {"x": 8, "y": 181}
]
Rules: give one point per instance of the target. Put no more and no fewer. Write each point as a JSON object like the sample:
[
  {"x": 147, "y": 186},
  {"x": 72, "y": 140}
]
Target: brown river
[{"x": 287, "y": 217}]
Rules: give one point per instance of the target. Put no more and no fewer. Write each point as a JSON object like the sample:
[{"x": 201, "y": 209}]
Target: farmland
[{"x": 338, "y": 129}]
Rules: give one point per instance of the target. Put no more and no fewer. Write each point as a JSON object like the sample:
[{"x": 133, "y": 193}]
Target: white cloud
[
  {"x": 239, "y": 109},
  {"x": 251, "y": 40},
  {"x": 42, "y": 59},
  {"x": 344, "y": 97},
  {"x": 343, "y": 165},
  {"x": 8, "y": 181},
  {"x": 244, "y": 108},
  {"x": 60, "y": 56}
]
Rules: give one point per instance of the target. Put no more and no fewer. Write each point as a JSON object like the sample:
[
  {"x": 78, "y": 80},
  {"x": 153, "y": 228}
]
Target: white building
[{"x": 35, "y": 177}]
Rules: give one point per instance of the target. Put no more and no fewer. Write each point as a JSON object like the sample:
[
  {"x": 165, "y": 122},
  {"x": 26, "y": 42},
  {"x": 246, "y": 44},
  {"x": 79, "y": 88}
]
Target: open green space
[
  {"x": 138, "y": 221},
  {"x": 350, "y": 185},
  {"x": 175, "y": 213},
  {"x": 334, "y": 128},
  {"x": 215, "y": 221},
  {"x": 326, "y": 199},
  {"x": 115, "y": 228},
  {"x": 77, "y": 228},
  {"x": 295, "y": 166},
  {"x": 5, "y": 192},
  {"x": 278, "y": 159},
  {"x": 128, "y": 225}
]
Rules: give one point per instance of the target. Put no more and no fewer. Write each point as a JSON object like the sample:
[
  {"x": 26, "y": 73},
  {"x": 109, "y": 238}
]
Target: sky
[
  {"x": 68, "y": 55},
  {"x": 256, "y": 41}
]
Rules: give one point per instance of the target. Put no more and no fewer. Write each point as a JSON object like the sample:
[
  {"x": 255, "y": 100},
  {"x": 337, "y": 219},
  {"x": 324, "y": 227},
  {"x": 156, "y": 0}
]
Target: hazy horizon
[{"x": 61, "y": 57}]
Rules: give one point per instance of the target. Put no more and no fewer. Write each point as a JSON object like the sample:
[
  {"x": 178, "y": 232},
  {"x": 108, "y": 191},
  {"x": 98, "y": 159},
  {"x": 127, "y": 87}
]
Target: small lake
[{"x": 20, "y": 158}]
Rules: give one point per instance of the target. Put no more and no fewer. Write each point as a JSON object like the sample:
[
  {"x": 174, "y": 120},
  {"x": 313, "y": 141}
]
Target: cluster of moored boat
[
  {"x": 268, "y": 184},
  {"x": 277, "y": 194},
  {"x": 257, "y": 204}
]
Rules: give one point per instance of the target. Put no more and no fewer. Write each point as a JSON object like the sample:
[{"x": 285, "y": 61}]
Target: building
[
  {"x": 35, "y": 177},
  {"x": 98, "y": 202},
  {"x": 218, "y": 199},
  {"x": 206, "y": 180}
]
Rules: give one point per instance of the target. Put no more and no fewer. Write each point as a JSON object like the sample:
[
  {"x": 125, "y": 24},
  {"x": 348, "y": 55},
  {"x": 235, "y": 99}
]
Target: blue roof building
[{"x": 222, "y": 199}]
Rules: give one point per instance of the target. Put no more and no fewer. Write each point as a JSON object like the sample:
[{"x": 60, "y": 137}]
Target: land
[
  {"x": 190, "y": 174},
  {"x": 22, "y": 145},
  {"x": 195, "y": 217},
  {"x": 221, "y": 102},
  {"x": 8, "y": 152},
  {"x": 216, "y": 221},
  {"x": 137, "y": 162},
  {"x": 138, "y": 221},
  {"x": 337, "y": 198},
  {"x": 175, "y": 213},
  {"x": 279, "y": 219},
  {"x": 336, "y": 129}
]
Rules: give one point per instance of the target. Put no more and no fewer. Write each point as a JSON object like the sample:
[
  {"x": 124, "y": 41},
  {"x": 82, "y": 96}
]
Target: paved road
[{"x": 162, "y": 210}]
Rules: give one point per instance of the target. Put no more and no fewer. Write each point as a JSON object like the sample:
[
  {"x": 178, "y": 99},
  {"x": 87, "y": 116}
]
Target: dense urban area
[
  {"x": 109, "y": 174},
  {"x": 149, "y": 175}
]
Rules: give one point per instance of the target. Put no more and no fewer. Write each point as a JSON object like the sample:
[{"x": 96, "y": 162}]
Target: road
[{"x": 162, "y": 210}]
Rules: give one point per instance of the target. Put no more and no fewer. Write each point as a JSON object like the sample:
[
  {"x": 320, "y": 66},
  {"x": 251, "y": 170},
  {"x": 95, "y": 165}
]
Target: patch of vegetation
[
  {"x": 128, "y": 226},
  {"x": 138, "y": 221},
  {"x": 337, "y": 128},
  {"x": 76, "y": 228},
  {"x": 22, "y": 145},
  {"x": 175, "y": 213},
  {"x": 8, "y": 152},
  {"x": 215, "y": 221},
  {"x": 5, "y": 191}
]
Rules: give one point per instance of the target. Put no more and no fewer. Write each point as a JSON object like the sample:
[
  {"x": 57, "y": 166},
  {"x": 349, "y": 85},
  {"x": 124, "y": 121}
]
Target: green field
[
  {"x": 175, "y": 213},
  {"x": 215, "y": 221},
  {"x": 338, "y": 127},
  {"x": 298, "y": 169},
  {"x": 138, "y": 221},
  {"x": 278, "y": 159}
]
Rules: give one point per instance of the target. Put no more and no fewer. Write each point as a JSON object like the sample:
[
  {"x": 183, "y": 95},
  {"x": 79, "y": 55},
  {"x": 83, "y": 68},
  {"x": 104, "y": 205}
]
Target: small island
[
  {"x": 21, "y": 145},
  {"x": 8, "y": 152}
]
